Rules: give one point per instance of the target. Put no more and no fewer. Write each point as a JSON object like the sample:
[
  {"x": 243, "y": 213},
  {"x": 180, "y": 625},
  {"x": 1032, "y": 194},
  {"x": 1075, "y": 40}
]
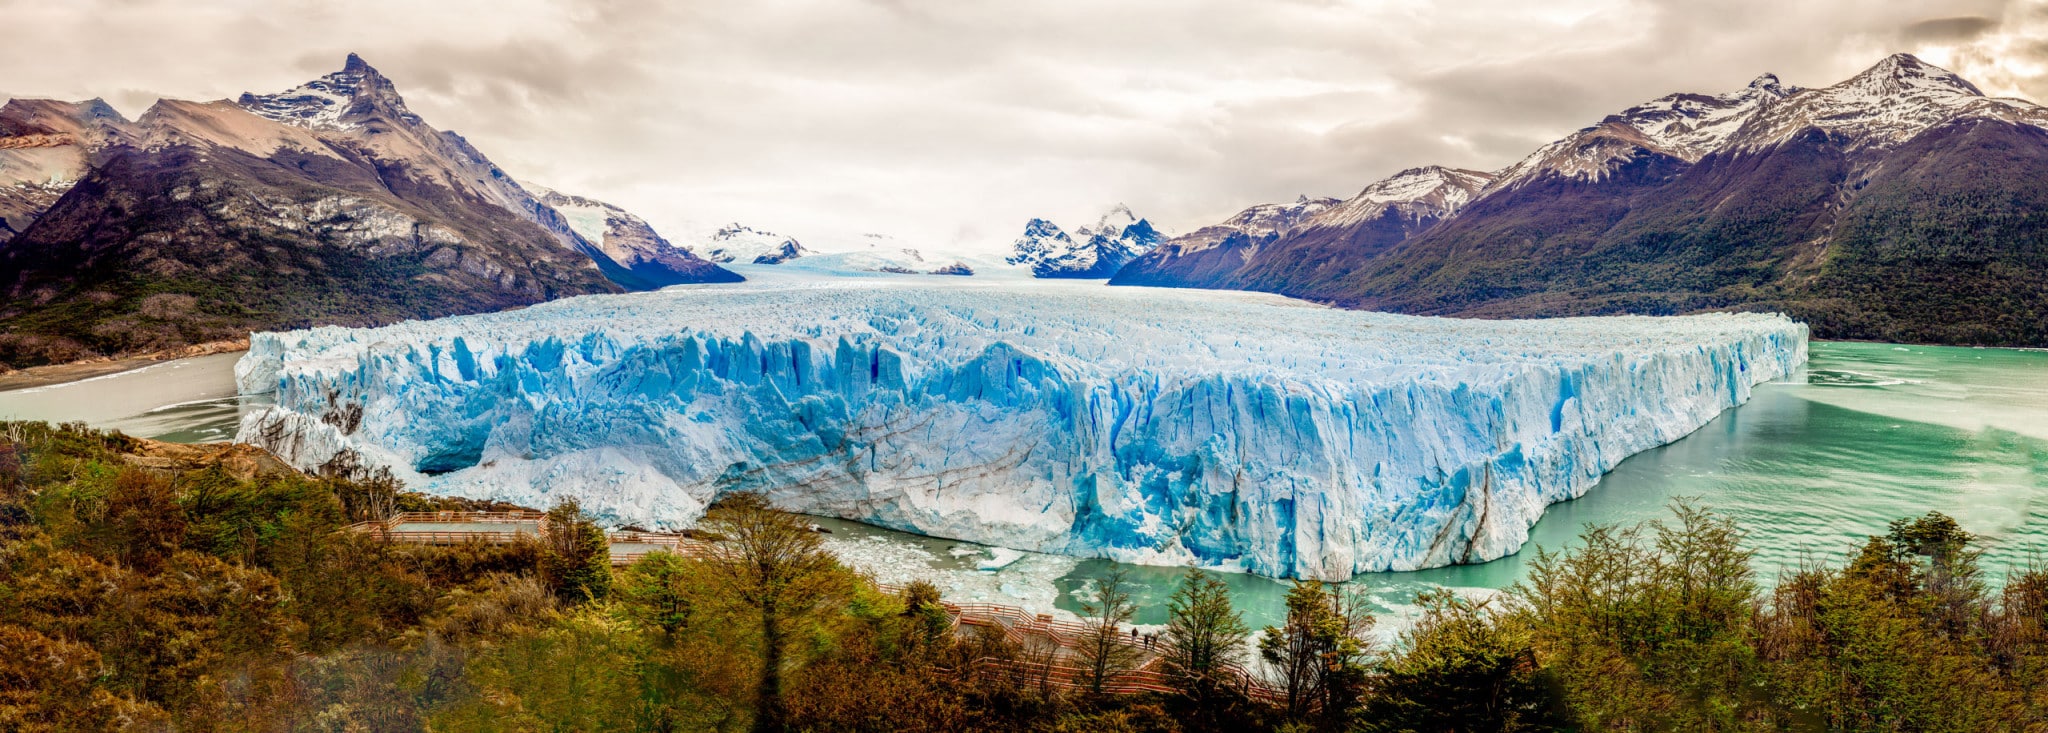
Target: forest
[{"x": 223, "y": 593}]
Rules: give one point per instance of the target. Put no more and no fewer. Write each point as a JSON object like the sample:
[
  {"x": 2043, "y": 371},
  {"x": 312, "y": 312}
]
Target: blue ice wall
[{"x": 1216, "y": 429}]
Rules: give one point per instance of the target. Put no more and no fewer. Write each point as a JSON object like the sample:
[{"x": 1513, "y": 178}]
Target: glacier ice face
[{"x": 1222, "y": 429}]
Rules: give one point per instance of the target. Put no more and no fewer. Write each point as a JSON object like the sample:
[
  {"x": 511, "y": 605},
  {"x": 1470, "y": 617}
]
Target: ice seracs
[{"x": 1229, "y": 430}]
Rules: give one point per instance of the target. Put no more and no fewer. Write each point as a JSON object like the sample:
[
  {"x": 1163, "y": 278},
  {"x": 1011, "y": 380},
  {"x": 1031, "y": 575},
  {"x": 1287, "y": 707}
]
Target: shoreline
[{"x": 44, "y": 376}]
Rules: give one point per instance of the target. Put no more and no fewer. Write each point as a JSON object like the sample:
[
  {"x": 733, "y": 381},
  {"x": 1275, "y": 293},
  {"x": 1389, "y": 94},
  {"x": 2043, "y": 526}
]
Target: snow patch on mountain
[
  {"x": 1257, "y": 223},
  {"x": 324, "y": 103},
  {"x": 1685, "y": 126},
  {"x": 1429, "y": 192},
  {"x": 1885, "y": 105}
]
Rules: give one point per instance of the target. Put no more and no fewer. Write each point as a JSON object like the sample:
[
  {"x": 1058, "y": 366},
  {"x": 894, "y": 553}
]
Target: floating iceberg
[{"x": 1221, "y": 429}]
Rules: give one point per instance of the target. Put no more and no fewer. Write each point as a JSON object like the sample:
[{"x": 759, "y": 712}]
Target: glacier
[{"x": 1229, "y": 430}]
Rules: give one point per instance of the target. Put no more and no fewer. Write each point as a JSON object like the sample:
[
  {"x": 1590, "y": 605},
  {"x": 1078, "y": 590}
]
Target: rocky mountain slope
[
  {"x": 331, "y": 203},
  {"x": 1271, "y": 243},
  {"x": 1093, "y": 251},
  {"x": 46, "y": 146},
  {"x": 630, "y": 241},
  {"x": 1901, "y": 204}
]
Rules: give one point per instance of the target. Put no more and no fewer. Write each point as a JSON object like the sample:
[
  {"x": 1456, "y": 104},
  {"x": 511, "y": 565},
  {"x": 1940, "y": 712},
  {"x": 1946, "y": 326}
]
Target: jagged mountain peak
[
  {"x": 1042, "y": 229},
  {"x": 341, "y": 100},
  {"x": 1687, "y": 126},
  {"x": 1904, "y": 73},
  {"x": 1884, "y": 105},
  {"x": 1096, "y": 250}
]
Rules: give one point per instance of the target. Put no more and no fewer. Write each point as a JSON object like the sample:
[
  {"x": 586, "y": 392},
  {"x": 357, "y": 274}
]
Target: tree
[
  {"x": 655, "y": 591},
  {"x": 1463, "y": 669},
  {"x": 1319, "y": 653},
  {"x": 49, "y": 684},
  {"x": 1653, "y": 625},
  {"x": 924, "y": 609},
  {"x": 1205, "y": 638},
  {"x": 1945, "y": 566},
  {"x": 1104, "y": 652},
  {"x": 578, "y": 562},
  {"x": 773, "y": 563}
]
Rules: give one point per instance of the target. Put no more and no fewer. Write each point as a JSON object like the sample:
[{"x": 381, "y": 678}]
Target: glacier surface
[{"x": 1222, "y": 429}]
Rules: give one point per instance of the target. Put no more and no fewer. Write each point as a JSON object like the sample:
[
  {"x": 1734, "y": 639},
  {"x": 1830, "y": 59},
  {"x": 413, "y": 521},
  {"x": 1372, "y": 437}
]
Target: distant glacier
[{"x": 1229, "y": 430}]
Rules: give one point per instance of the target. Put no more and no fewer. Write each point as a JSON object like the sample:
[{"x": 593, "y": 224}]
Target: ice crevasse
[{"x": 1229, "y": 430}]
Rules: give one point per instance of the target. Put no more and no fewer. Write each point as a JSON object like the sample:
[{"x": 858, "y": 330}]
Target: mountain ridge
[
  {"x": 330, "y": 203},
  {"x": 1899, "y": 204},
  {"x": 1097, "y": 250}
]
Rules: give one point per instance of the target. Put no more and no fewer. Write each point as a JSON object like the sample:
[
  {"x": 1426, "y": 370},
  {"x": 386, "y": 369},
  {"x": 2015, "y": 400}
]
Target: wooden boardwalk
[{"x": 455, "y": 528}]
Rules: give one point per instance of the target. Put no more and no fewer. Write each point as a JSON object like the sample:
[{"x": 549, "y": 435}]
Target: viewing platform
[{"x": 455, "y": 528}]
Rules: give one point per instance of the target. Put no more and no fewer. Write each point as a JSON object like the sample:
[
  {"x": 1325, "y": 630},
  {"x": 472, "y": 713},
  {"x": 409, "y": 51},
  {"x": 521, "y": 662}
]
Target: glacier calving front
[{"x": 1228, "y": 430}]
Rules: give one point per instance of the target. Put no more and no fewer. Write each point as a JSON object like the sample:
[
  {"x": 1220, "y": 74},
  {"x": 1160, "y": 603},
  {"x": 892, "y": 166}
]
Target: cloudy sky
[{"x": 948, "y": 123}]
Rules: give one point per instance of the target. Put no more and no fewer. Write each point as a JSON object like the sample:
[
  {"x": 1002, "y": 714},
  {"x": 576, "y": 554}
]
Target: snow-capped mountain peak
[
  {"x": 1887, "y": 104},
  {"x": 1416, "y": 193},
  {"x": 1257, "y": 223},
  {"x": 1692, "y": 125},
  {"x": 1906, "y": 74},
  {"x": 1040, "y": 235},
  {"x": 1091, "y": 251},
  {"x": 1266, "y": 219},
  {"x": 336, "y": 101},
  {"x": 739, "y": 243},
  {"x": 1686, "y": 126}
]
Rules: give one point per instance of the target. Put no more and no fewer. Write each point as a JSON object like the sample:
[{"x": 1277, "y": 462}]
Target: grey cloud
[{"x": 1948, "y": 29}]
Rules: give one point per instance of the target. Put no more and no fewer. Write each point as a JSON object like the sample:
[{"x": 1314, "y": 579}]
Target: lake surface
[
  {"x": 1810, "y": 466},
  {"x": 186, "y": 401}
]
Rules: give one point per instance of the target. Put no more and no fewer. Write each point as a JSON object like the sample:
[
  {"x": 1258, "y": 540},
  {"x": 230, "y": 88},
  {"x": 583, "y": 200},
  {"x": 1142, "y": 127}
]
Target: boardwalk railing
[
  {"x": 388, "y": 528},
  {"x": 663, "y": 542}
]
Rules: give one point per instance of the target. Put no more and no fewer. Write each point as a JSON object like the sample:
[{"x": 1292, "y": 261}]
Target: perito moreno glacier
[{"x": 1226, "y": 430}]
